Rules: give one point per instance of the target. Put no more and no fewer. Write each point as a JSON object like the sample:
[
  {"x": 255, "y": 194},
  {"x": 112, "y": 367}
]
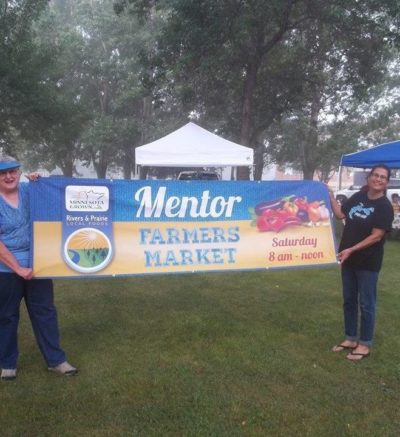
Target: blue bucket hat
[{"x": 9, "y": 165}]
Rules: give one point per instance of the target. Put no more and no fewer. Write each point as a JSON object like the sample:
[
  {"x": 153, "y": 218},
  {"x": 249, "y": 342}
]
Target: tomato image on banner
[{"x": 279, "y": 214}]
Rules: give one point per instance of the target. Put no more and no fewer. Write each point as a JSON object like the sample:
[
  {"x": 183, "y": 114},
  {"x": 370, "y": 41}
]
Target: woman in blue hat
[{"x": 17, "y": 283}]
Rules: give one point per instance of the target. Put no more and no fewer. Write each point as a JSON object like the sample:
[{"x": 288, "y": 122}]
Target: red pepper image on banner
[{"x": 278, "y": 214}]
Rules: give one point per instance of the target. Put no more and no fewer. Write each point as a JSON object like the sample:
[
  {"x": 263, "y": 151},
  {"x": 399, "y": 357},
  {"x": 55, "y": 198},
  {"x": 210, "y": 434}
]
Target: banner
[{"x": 94, "y": 227}]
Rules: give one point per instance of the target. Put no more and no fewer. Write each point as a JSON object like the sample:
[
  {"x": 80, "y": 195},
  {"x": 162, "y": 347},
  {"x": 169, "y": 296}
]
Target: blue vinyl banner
[{"x": 94, "y": 227}]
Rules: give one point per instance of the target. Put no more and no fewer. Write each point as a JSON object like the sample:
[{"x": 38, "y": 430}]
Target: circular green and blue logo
[{"x": 87, "y": 250}]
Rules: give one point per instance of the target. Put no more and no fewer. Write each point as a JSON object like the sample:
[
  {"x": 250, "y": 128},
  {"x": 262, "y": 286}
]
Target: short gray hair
[{"x": 7, "y": 158}]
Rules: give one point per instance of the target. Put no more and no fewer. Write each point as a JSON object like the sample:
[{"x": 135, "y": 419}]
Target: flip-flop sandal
[
  {"x": 343, "y": 348},
  {"x": 358, "y": 355}
]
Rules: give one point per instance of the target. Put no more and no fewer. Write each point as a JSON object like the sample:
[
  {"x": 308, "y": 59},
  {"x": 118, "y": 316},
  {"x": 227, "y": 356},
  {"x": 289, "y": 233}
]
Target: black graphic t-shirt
[{"x": 362, "y": 215}]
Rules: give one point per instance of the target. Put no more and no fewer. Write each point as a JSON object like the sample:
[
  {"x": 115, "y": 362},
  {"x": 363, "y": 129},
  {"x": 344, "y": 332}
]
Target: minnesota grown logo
[{"x": 86, "y": 198}]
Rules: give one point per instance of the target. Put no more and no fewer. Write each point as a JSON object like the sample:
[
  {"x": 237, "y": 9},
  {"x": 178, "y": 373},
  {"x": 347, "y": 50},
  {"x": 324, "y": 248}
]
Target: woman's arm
[
  {"x": 375, "y": 236},
  {"x": 336, "y": 208},
  {"x": 7, "y": 258}
]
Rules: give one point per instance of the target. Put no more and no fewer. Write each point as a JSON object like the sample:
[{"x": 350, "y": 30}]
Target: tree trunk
[
  {"x": 128, "y": 164},
  {"x": 67, "y": 164},
  {"x": 259, "y": 162},
  {"x": 143, "y": 172},
  {"x": 309, "y": 165},
  {"x": 308, "y": 173},
  {"x": 100, "y": 166},
  {"x": 257, "y": 51},
  {"x": 127, "y": 169},
  {"x": 243, "y": 173},
  {"x": 68, "y": 169},
  {"x": 101, "y": 171}
]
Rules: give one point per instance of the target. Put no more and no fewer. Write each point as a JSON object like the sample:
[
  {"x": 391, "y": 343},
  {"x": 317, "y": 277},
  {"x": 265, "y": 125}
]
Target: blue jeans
[
  {"x": 38, "y": 296},
  {"x": 359, "y": 291}
]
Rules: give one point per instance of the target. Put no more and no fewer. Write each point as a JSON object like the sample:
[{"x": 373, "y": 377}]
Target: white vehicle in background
[{"x": 344, "y": 194}]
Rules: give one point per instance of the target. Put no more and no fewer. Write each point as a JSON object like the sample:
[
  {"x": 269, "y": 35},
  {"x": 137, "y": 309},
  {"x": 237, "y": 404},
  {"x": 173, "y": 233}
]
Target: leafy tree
[
  {"x": 58, "y": 32},
  {"x": 24, "y": 99},
  {"x": 242, "y": 66},
  {"x": 288, "y": 144},
  {"x": 342, "y": 71},
  {"x": 100, "y": 108},
  {"x": 380, "y": 115},
  {"x": 113, "y": 83},
  {"x": 45, "y": 120},
  {"x": 224, "y": 62}
]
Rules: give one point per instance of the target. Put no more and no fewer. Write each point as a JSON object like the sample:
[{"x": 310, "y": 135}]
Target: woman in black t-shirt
[{"x": 368, "y": 216}]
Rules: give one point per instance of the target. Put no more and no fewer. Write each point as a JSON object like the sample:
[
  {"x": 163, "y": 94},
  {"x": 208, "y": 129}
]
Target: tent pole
[{"x": 340, "y": 178}]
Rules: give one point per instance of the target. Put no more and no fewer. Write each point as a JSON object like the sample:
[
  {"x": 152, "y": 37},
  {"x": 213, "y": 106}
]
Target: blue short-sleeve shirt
[{"x": 15, "y": 228}]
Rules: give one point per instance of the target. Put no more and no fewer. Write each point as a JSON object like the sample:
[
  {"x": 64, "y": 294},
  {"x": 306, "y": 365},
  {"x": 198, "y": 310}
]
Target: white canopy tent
[{"x": 193, "y": 146}]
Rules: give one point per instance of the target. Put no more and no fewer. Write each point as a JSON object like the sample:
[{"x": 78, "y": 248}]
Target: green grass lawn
[{"x": 219, "y": 354}]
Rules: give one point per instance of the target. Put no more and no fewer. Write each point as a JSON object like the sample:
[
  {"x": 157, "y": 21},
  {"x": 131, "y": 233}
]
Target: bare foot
[
  {"x": 357, "y": 354},
  {"x": 345, "y": 345}
]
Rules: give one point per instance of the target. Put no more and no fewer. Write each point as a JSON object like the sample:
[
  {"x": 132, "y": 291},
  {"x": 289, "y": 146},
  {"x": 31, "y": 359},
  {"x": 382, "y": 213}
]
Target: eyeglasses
[
  {"x": 12, "y": 171},
  {"x": 379, "y": 176}
]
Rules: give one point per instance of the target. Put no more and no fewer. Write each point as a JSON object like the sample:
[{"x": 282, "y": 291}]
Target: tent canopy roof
[
  {"x": 193, "y": 146},
  {"x": 388, "y": 154}
]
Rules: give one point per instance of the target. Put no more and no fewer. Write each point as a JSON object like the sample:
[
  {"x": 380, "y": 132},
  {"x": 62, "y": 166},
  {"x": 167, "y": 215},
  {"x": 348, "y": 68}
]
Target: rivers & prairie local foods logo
[
  {"x": 87, "y": 250},
  {"x": 276, "y": 215}
]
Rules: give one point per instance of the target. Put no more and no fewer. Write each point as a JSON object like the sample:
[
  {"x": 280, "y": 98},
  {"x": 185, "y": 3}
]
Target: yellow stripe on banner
[{"x": 167, "y": 247}]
